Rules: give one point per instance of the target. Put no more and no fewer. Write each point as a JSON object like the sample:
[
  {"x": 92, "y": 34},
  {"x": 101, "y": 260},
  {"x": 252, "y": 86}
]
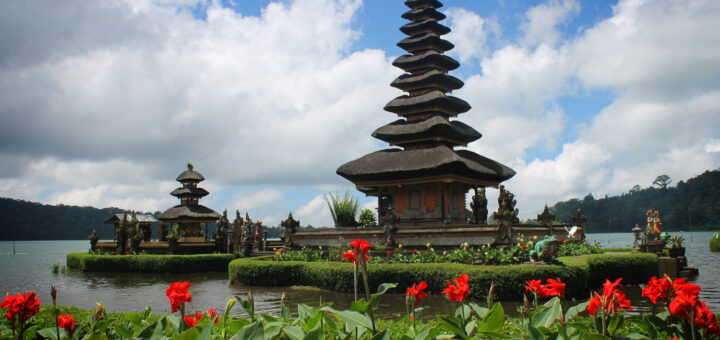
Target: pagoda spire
[{"x": 425, "y": 131}]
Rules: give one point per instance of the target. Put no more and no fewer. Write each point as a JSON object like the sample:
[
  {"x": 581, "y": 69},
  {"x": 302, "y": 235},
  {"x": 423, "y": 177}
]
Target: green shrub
[
  {"x": 150, "y": 263},
  {"x": 580, "y": 273},
  {"x": 715, "y": 243},
  {"x": 343, "y": 209}
]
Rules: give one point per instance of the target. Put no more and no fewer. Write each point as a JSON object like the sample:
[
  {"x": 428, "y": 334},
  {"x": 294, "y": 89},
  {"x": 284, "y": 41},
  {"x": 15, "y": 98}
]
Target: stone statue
[
  {"x": 579, "y": 220},
  {"x": 507, "y": 215},
  {"x": 545, "y": 250},
  {"x": 290, "y": 225},
  {"x": 479, "y": 207},
  {"x": 122, "y": 235},
  {"x": 93, "y": 240},
  {"x": 389, "y": 219},
  {"x": 136, "y": 235},
  {"x": 546, "y": 218},
  {"x": 257, "y": 236},
  {"x": 221, "y": 233},
  {"x": 162, "y": 231},
  {"x": 237, "y": 231},
  {"x": 246, "y": 239}
]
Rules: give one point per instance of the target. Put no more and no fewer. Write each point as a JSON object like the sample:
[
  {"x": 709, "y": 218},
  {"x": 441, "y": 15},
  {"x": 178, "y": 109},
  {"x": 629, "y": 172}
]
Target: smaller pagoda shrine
[{"x": 189, "y": 214}]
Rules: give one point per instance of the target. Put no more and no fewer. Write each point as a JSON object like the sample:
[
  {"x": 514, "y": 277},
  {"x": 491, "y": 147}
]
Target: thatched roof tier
[
  {"x": 425, "y": 42},
  {"x": 432, "y": 80},
  {"x": 423, "y": 13},
  {"x": 426, "y": 61},
  {"x": 196, "y": 213},
  {"x": 141, "y": 218},
  {"x": 425, "y": 26},
  {"x": 189, "y": 192},
  {"x": 414, "y": 4},
  {"x": 401, "y": 132},
  {"x": 190, "y": 175},
  {"x": 434, "y": 164},
  {"x": 432, "y": 102}
]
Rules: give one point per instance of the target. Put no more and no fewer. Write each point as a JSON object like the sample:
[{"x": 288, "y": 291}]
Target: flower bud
[
  {"x": 100, "y": 310},
  {"x": 53, "y": 294}
]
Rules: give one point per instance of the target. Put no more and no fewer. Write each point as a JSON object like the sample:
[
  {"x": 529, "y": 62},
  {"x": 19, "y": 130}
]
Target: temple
[
  {"x": 189, "y": 214},
  {"x": 424, "y": 178}
]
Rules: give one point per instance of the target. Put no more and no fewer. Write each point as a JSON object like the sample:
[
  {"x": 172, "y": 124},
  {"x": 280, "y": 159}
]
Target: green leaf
[
  {"x": 247, "y": 307},
  {"x": 97, "y": 336},
  {"x": 206, "y": 333},
  {"x": 294, "y": 332},
  {"x": 594, "y": 336},
  {"x": 385, "y": 287},
  {"x": 616, "y": 322},
  {"x": 534, "y": 333},
  {"x": 480, "y": 311},
  {"x": 573, "y": 311},
  {"x": 453, "y": 325},
  {"x": 123, "y": 332},
  {"x": 549, "y": 315},
  {"x": 424, "y": 334},
  {"x": 190, "y": 334},
  {"x": 360, "y": 306},
  {"x": 316, "y": 333},
  {"x": 49, "y": 333},
  {"x": 633, "y": 336},
  {"x": 496, "y": 335},
  {"x": 135, "y": 318},
  {"x": 351, "y": 318},
  {"x": 253, "y": 331},
  {"x": 494, "y": 320},
  {"x": 384, "y": 335}
]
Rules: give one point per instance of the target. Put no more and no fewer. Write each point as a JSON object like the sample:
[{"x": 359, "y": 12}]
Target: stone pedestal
[{"x": 669, "y": 266}]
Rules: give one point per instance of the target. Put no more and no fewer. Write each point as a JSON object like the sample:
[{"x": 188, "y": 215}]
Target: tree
[
  {"x": 635, "y": 189},
  {"x": 367, "y": 218},
  {"x": 662, "y": 181}
]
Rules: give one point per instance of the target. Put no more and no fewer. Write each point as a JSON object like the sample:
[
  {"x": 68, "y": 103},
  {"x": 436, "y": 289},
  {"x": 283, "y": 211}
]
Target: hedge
[
  {"x": 150, "y": 263},
  {"x": 715, "y": 243},
  {"x": 579, "y": 273}
]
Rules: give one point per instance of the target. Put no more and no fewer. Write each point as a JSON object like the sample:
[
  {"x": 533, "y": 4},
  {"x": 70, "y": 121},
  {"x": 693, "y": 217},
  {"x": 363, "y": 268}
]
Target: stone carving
[
  {"x": 237, "y": 227},
  {"x": 122, "y": 235},
  {"x": 545, "y": 250},
  {"x": 162, "y": 231},
  {"x": 93, "y": 240},
  {"x": 507, "y": 215},
  {"x": 388, "y": 220},
  {"x": 257, "y": 236},
  {"x": 579, "y": 220},
  {"x": 246, "y": 239},
  {"x": 221, "y": 233},
  {"x": 290, "y": 225},
  {"x": 479, "y": 207},
  {"x": 546, "y": 218},
  {"x": 135, "y": 234}
]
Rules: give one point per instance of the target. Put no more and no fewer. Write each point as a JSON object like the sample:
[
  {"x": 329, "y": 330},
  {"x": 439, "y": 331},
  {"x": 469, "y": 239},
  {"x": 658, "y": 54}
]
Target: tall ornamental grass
[{"x": 343, "y": 209}]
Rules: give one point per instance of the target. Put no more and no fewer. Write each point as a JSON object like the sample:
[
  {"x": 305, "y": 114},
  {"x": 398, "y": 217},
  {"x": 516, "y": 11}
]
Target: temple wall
[{"x": 423, "y": 204}]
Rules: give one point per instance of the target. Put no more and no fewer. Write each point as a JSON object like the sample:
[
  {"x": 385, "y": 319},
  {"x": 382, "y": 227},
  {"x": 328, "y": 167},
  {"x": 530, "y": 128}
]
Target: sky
[{"x": 103, "y": 103}]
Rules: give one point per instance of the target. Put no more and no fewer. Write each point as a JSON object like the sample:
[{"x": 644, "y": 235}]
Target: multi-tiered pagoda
[
  {"x": 189, "y": 214},
  {"x": 425, "y": 179}
]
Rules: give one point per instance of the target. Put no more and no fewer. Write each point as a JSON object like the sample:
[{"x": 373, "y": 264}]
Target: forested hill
[
  {"x": 23, "y": 220},
  {"x": 695, "y": 203}
]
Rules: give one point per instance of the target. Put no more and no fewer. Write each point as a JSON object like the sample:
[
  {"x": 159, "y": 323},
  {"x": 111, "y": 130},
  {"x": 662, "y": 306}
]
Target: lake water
[{"x": 30, "y": 269}]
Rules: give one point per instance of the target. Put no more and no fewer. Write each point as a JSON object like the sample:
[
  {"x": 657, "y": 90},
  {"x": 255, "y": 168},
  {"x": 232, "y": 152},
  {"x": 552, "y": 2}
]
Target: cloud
[
  {"x": 469, "y": 33},
  {"x": 315, "y": 212},
  {"x": 542, "y": 20},
  {"x": 250, "y": 200}
]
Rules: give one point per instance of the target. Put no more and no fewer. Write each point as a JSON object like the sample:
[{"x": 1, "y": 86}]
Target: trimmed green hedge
[
  {"x": 579, "y": 273},
  {"x": 715, "y": 244},
  {"x": 150, "y": 263}
]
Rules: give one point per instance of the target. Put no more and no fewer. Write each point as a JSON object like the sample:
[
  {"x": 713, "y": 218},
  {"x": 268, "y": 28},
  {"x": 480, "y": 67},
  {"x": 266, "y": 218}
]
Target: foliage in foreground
[
  {"x": 537, "y": 320},
  {"x": 343, "y": 209},
  {"x": 715, "y": 243}
]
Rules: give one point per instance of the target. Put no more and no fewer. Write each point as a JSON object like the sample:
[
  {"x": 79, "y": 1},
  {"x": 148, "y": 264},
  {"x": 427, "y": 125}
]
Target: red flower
[
  {"x": 178, "y": 295},
  {"x": 24, "y": 306},
  {"x": 191, "y": 321},
  {"x": 554, "y": 287},
  {"x": 416, "y": 291},
  {"x": 414, "y": 251},
  {"x": 522, "y": 246},
  {"x": 67, "y": 322},
  {"x": 458, "y": 293},
  {"x": 361, "y": 245},
  {"x": 211, "y": 313},
  {"x": 612, "y": 300},
  {"x": 657, "y": 289},
  {"x": 350, "y": 255},
  {"x": 686, "y": 299},
  {"x": 535, "y": 287}
]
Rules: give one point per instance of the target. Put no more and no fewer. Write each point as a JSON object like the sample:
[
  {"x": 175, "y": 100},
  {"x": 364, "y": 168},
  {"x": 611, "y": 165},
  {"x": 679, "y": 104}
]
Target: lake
[{"x": 30, "y": 269}]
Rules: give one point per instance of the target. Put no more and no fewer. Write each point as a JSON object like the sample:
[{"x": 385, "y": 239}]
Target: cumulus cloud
[
  {"x": 249, "y": 200},
  {"x": 542, "y": 20},
  {"x": 315, "y": 212}
]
